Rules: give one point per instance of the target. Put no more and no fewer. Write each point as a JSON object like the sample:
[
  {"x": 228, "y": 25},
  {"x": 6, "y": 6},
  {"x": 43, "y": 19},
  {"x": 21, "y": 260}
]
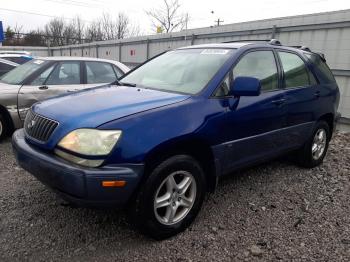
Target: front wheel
[
  {"x": 3, "y": 128},
  {"x": 315, "y": 149},
  {"x": 170, "y": 199}
]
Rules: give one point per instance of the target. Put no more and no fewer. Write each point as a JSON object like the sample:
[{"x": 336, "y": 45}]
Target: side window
[
  {"x": 99, "y": 72},
  {"x": 224, "y": 87},
  {"x": 326, "y": 73},
  {"x": 118, "y": 71},
  {"x": 40, "y": 80},
  {"x": 259, "y": 64},
  {"x": 295, "y": 72},
  {"x": 66, "y": 73}
]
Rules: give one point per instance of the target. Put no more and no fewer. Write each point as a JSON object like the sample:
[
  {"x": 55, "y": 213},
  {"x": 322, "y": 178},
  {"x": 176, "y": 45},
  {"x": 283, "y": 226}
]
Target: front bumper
[{"x": 79, "y": 185}]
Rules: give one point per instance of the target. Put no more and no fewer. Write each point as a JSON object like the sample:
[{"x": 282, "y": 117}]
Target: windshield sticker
[
  {"x": 38, "y": 62},
  {"x": 214, "y": 52}
]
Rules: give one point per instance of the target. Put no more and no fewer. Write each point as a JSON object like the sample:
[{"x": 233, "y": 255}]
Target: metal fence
[{"x": 328, "y": 33}]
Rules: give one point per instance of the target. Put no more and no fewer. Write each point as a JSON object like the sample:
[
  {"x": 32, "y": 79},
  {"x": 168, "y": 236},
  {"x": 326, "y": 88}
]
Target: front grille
[{"x": 38, "y": 127}]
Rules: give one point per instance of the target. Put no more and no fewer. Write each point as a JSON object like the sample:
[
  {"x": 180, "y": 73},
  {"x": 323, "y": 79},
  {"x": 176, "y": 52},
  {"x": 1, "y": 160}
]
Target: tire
[
  {"x": 309, "y": 155},
  {"x": 159, "y": 223},
  {"x": 3, "y": 128}
]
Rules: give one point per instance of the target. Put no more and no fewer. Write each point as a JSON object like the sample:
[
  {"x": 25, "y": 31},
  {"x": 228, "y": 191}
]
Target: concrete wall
[{"x": 328, "y": 33}]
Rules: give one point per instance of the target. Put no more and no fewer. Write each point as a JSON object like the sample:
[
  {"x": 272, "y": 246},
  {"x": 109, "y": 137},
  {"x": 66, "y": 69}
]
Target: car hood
[{"x": 93, "y": 107}]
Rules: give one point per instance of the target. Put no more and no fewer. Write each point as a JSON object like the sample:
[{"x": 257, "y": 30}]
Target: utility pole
[
  {"x": 186, "y": 26},
  {"x": 218, "y": 21}
]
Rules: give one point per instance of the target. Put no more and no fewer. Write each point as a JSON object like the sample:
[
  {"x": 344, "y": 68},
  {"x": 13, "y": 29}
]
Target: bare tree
[
  {"x": 58, "y": 32},
  {"x": 134, "y": 30},
  {"x": 94, "y": 32},
  {"x": 117, "y": 28},
  {"x": 17, "y": 30},
  {"x": 69, "y": 34},
  {"x": 122, "y": 26},
  {"x": 34, "y": 38},
  {"x": 79, "y": 27},
  {"x": 168, "y": 16},
  {"x": 108, "y": 26},
  {"x": 54, "y": 29}
]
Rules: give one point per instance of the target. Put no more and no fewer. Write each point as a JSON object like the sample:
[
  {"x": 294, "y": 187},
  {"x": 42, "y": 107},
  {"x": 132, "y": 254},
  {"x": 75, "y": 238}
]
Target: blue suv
[{"x": 160, "y": 138}]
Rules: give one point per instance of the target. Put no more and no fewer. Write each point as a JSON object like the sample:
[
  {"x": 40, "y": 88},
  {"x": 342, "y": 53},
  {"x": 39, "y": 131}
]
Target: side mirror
[{"x": 245, "y": 86}]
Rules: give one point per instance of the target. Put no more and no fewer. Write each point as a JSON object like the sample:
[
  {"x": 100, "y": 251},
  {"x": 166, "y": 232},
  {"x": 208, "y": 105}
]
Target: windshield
[
  {"x": 184, "y": 71},
  {"x": 17, "y": 75}
]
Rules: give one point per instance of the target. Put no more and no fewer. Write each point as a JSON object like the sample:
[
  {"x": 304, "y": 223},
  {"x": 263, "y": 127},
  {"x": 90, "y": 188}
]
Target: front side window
[
  {"x": 40, "y": 80},
  {"x": 118, "y": 71},
  {"x": 66, "y": 73},
  {"x": 295, "y": 71},
  {"x": 99, "y": 72},
  {"x": 20, "y": 73},
  {"x": 261, "y": 65},
  {"x": 185, "y": 71}
]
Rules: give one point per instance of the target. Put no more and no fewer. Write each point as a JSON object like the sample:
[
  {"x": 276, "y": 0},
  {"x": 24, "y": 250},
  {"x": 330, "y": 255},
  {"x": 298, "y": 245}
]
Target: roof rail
[
  {"x": 269, "y": 41},
  {"x": 304, "y": 48},
  {"x": 323, "y": 57},
  {"x": 274, "y": 42},
  {"x": 247, "y": 40}
]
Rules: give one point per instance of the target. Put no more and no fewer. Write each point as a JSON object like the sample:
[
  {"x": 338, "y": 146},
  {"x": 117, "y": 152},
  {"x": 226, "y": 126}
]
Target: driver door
[{"x": 60, "y": 78}]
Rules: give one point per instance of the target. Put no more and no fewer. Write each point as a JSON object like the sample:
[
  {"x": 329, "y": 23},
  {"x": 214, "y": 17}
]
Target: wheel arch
[
  {"x": 329, "y": 119},
  {"x": 5, "y": 113},
  {"x": 194, "y": 147}
]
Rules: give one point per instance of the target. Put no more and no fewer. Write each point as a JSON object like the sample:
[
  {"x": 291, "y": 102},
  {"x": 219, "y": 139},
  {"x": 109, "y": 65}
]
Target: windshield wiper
[
  {"x": 127, "y": 84},
  {"x": 116, "y": 82}
]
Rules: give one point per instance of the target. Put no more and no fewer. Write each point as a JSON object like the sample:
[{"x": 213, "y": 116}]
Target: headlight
[{"x": 90, "y": 142}]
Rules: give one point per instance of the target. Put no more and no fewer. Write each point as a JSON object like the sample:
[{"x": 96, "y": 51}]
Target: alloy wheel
[
  {"x": 175, "y": 197},
  {"x": 319, "y": 144}
]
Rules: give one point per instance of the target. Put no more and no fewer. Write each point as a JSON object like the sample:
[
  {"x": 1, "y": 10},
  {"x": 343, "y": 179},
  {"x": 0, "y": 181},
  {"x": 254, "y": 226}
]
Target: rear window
[
  {"x": 324, "y": 73},
  {"x": 18, "y": 59}
]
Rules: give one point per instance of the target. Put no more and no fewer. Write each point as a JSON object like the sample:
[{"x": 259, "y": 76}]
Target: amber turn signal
[{"x": 115, "y": 183}]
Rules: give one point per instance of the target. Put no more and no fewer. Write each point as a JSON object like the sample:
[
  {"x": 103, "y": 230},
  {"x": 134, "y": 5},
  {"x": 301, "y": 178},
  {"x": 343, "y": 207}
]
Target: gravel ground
[{"x": 272, "y": 212}]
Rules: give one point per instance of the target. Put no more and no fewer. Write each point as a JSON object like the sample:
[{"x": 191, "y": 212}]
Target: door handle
[
  {"x": 317, "y": 94},
  {"x": 43, "y": 87},
  {"x": 279, "y": 102}
]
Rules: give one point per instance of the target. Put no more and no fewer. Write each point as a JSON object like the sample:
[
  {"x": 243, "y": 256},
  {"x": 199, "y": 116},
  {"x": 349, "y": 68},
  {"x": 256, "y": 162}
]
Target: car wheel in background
[
  {"x": 3, "y": 128},
  {"x": 170, "y": 198},
  {"x": 315, "y": 149}
]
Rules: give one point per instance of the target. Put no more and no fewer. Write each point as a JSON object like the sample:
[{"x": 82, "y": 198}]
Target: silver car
[{"x": 46, "y": 77}]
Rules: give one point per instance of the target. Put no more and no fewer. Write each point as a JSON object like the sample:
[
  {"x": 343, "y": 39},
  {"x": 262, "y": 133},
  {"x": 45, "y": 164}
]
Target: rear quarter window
[{"x": 323, "y": 72}]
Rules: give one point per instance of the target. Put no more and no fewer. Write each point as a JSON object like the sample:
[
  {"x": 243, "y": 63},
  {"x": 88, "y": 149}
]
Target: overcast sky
[{"x": 229, "y": 11}]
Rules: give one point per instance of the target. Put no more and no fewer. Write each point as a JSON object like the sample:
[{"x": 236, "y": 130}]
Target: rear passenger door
[
  {"x": 301, "y": 93},
  {"x": 100, "y": 73}
]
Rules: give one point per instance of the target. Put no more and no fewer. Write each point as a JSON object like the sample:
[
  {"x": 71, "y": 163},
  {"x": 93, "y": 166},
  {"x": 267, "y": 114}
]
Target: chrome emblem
[{"x": 31, "y": 124}]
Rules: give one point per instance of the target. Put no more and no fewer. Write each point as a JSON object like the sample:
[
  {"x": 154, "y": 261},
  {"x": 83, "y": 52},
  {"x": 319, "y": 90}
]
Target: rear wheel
[
  {"x": 170, "y": 199},
  {"x": 315, "y": 149}
]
